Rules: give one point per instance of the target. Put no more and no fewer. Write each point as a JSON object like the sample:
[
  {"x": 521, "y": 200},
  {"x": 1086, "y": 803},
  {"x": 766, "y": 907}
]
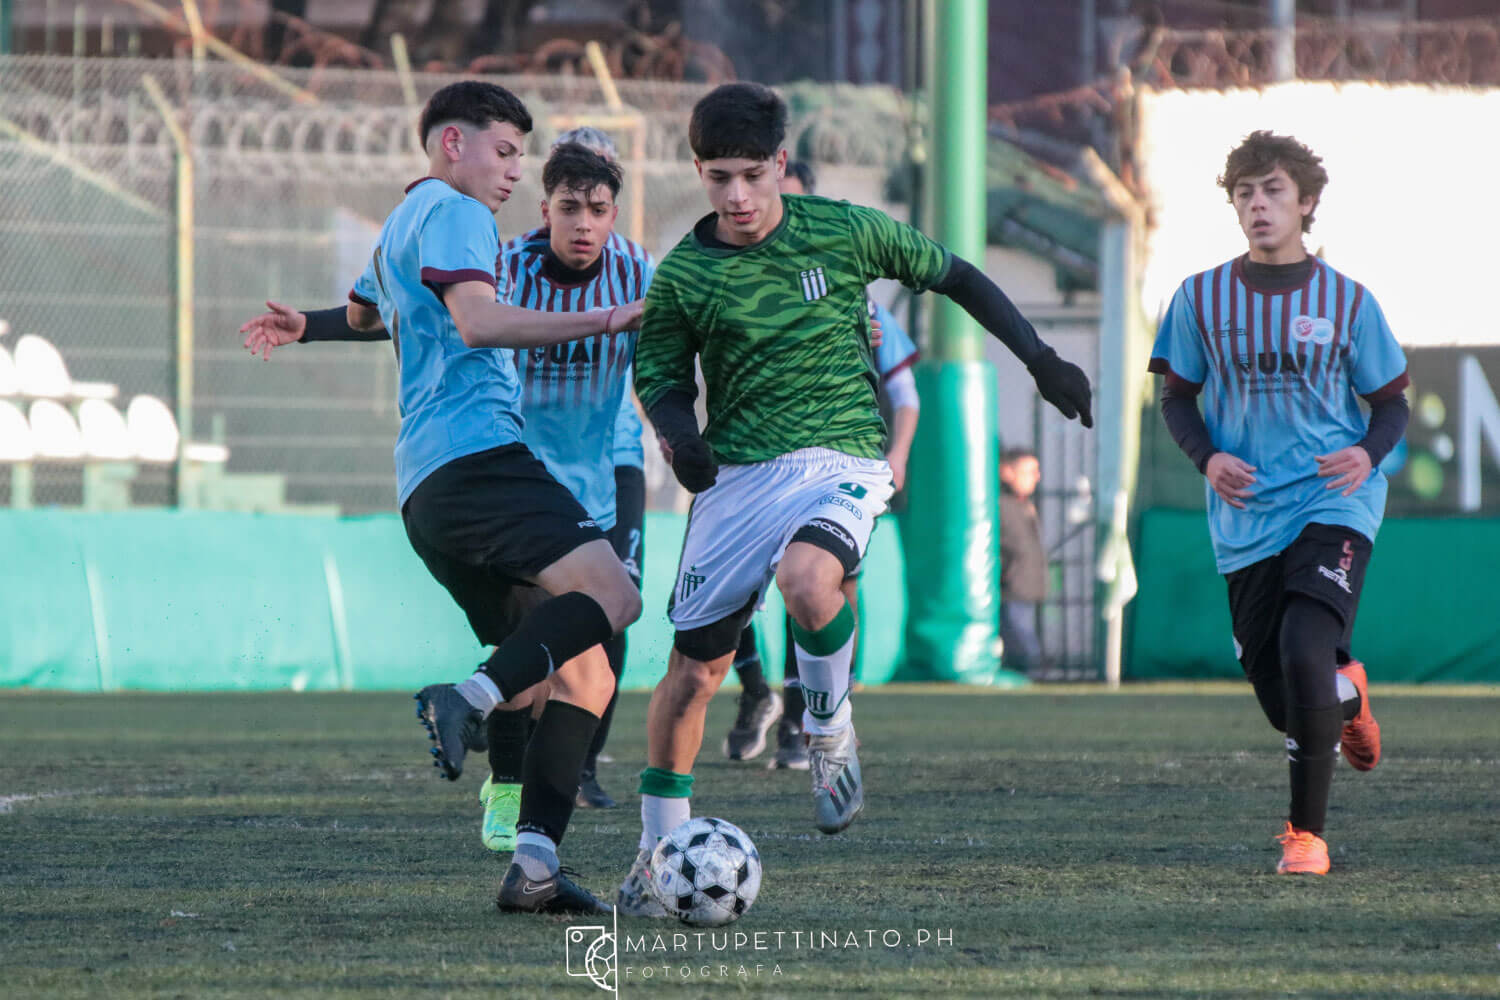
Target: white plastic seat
[
  {"x": 54, "y": 432},
  {"x": 105, "y": 434},
  {"x": 40, "y": 370},
  {"x": 15, "y": 434},
  {"x": 10, "y": 385},
  {"x": 153, "y": 430}
]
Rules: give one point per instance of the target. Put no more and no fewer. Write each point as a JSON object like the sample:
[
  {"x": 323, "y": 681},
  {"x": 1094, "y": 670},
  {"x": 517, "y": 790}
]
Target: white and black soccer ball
[{"x": 706, "y": 872}]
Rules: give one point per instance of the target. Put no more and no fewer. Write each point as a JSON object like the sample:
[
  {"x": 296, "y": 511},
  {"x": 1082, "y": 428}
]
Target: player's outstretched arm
[
  {"x": 282, "y": 325},
  {"x": 483, "y": 322},
  {"x": 1061, "y": 383}
]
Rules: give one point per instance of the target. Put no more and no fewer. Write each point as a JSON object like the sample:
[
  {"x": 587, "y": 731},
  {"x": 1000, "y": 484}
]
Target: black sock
[
  {"x": 1310, "y": 633},
  {"x": 1312, "y": 735},
  {"x": 615, "y": 650},
  {"x": 551, "y": 634},
  {"x": 508, "y": 733},
  {"x": 553, "y": 759},
  {"x": 793, "y": 704},
  {"x": 790, "y": 671},
  {"x": 747, "y": 665}
]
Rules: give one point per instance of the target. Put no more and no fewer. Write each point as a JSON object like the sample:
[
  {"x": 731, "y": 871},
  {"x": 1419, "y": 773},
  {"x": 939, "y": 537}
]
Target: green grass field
[{"x": 1048, "y": 844}]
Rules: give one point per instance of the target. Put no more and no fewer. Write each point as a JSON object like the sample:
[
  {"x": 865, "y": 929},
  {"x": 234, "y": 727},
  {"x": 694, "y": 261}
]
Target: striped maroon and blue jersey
[
  {"x": 1282, "y": 372},
  {"x": 572, "y": 394}
]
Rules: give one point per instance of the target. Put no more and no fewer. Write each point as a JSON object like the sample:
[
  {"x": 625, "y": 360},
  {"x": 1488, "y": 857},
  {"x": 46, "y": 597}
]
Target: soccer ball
[{"x": 706, "y": 872}]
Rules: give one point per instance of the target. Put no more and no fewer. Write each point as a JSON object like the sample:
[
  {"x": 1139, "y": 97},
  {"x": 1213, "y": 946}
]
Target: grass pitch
[{"x": 1034, "y": 845}]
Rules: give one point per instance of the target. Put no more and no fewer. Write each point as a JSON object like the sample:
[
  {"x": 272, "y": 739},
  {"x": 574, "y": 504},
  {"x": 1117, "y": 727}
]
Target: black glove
[
  {"x": 693, "y": 464},
  {"x": 1064, "y": 385}
]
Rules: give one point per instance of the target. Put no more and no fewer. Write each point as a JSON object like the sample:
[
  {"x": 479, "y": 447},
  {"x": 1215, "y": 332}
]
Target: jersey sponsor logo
[
  {"x": 814, "y": 284},
  {"x": 838, "y": 501},
  {"x": 1312, "y": 329},
  {"x": 690, "y": 582}
]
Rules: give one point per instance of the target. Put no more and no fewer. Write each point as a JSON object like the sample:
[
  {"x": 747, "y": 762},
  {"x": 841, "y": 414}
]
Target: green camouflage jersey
[{"x": 781, "y": 328}]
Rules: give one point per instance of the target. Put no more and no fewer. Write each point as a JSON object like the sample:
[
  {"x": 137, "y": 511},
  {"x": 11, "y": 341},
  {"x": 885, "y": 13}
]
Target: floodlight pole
[
  {"x": 951, "y": 529},
  {"x": 183, "y": 286}
]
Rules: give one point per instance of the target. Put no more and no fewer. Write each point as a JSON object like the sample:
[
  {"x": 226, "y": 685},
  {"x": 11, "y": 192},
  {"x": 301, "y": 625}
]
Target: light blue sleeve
[
  {"x": 458, "y": 243},
  {"x": 896, "y": 351},
  {"x": 1378, "y": 359},
  {"x": 1179, "y": 342},
  {"x": 628, "y": 448},
  {"x": 365, "y": 290}
]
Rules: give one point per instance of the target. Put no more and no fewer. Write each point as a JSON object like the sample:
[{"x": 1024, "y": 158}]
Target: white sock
[
  {"x": 825, "y": 688},
  {"x": 660, "y": 816},
  {"x": 536, "y": 853},
  {"x": 480, "y": 692}
]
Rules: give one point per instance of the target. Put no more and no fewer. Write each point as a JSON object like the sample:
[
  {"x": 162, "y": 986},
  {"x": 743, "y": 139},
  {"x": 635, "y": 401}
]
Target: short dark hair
[
  {"x": 802, "y": 171},
  {"x": 738, "y": 120},
  {"x": 476, "y": 103},
  {"x": 1010, "y": 456},
  {"x": 573, "y": 166},
  {"x": 1262, "y": 152}
]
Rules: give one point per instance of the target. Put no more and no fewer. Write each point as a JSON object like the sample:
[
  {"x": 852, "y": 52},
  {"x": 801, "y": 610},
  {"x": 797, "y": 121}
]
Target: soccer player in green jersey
[{"x": 767, "y": 293}]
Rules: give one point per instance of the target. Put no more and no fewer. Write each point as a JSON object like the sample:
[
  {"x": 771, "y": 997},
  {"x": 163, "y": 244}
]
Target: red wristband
[{"x": 609, "y": 316}]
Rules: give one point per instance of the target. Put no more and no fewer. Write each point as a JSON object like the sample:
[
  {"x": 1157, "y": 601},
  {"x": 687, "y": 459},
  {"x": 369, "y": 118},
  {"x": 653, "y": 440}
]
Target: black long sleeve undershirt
[
  {"x": 333, "y": 325},
  {"x": 981, "y": 298},
  {"x": 674, "y": 417}
]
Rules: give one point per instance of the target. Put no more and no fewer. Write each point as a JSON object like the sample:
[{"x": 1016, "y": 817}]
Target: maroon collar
[{"x": 419, "y": 180}]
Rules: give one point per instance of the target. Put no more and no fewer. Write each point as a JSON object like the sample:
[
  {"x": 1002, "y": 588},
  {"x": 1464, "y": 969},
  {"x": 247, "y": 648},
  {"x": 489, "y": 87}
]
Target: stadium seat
[
  {"x": 40, "y": 371},
  {"x": 152, "y": 429},
  {"x": 105, "y": 434},
  {"x": 9, "y": 383},
  {"x": 15, "y": 434},
  {"x": 54, "y": 432}
]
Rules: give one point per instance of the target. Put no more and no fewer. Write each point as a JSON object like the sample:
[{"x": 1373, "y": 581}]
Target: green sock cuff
[
  {"x": 831, "y": 637},
  {"x": 665, "y": 784}
]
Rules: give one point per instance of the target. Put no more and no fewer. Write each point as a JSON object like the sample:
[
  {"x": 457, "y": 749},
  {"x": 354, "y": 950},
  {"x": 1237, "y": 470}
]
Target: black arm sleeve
[
  {"x": 982, "y": 298},
  {"x": 674, "y": 418},
  {"x": 333, "y": 324},
  {"x": 1179, "y": 408},
  {"x": 1388, "y": 419}
]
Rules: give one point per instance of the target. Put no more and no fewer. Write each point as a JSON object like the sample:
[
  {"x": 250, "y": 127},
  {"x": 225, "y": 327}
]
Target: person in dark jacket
[{"x": 1023, "y": 560}]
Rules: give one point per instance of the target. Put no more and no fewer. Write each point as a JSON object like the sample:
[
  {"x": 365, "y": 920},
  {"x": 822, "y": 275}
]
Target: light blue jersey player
[
  {"x": 489, "y": 520},
  {"x": 1282, "y": 347}
]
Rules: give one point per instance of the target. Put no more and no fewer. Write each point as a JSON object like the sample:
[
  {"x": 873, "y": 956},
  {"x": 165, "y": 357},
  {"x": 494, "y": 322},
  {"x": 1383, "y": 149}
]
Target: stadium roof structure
[{"x": 1042, "y": 208}]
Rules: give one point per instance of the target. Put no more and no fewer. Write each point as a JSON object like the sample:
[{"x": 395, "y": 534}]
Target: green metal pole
[
  {"x": 7, "y": 8},
  {"x": 951, "y": 531}
]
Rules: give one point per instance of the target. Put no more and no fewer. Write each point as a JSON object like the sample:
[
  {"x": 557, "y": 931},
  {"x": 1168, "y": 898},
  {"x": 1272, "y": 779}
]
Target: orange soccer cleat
[
  {"x": 1302, "y": 853},
  {"x": 1360, "y": 739}
]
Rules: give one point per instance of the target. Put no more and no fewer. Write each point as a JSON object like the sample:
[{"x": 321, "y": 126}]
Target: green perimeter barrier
[
  {"x": 1428, "y": 613},
  {"x": 188, "y": 600}
]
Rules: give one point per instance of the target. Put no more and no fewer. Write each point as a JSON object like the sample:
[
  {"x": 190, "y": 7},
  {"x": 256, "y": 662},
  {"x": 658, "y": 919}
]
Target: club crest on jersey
[
  {"x": 814, "y": 284},
  {"x": 1314, "y": 329}
]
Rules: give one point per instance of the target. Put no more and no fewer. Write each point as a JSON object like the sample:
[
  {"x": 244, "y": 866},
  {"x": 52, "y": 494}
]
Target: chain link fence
[{"x": 292, "y": 175}]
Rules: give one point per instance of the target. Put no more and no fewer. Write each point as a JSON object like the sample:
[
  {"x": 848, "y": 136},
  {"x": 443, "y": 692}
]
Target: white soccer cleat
[
  {"x": 838, "y": 792},
  {"x": 636, "y": 898}
]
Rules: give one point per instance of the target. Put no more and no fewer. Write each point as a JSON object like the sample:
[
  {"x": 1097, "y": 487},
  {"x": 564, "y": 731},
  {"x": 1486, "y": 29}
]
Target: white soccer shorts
[{"x": 740, "y": 527}]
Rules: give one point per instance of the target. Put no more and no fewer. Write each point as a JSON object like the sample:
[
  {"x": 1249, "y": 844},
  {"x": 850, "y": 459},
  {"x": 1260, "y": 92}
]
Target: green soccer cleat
[{"x": 502, "y": 806}]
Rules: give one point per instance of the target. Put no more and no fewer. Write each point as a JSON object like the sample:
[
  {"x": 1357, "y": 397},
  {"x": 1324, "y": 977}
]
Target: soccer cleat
[
  {"x": 453, "y": 725},
  {"x": 636, "y": 899},
  {"x": 1302, "y": 853},
  {"x": 1360, "y": 738},
  {"x": 558, "y": 894},
  {"x": 502, "y": 807},
  {"x": 838, "y": 793},
  {"x": 791, "y": 747},
  {"x": 752, "y": 722},
  {"x": 591, "y": 795}
]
